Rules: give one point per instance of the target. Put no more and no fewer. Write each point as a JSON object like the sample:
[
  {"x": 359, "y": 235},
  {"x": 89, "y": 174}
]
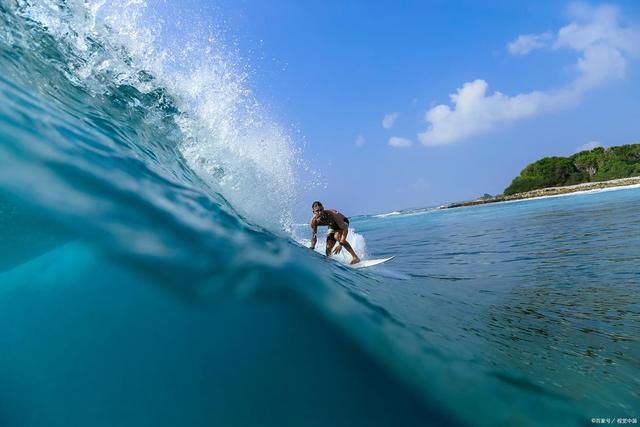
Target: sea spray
[{"x": 222, "y": 131}]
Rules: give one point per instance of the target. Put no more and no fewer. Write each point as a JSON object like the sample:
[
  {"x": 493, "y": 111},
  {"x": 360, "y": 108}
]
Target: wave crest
[{"x": 128, "y": 51}]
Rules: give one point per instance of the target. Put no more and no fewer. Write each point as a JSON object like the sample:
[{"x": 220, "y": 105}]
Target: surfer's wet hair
[{"x": 316, "y": 204}]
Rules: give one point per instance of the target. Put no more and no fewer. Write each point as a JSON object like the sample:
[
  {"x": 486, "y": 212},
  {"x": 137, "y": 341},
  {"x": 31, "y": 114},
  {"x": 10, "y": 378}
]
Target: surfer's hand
[{"x": 337, "y": 250}]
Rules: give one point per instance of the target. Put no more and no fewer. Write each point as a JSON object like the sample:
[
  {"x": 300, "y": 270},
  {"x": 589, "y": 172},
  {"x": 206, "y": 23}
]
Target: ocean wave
[
  {"x": 127, "y": 160},
  {"x": 190, "y": 94},
  {"x": 384, "y": 215},
  {"x": 404, "y": 213}
]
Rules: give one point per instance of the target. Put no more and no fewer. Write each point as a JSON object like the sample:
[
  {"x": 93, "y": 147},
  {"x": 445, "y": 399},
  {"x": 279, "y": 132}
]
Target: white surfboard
[{"x": 370, "y": 262}]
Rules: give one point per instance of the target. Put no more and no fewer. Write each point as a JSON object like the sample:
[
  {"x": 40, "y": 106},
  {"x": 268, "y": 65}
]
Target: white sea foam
[
  {"x": 355, "y": 239},
  {"x": 407, "y": 213},
  {"x": 229, "y": 139},
  {"x": 384, "y": 215}
]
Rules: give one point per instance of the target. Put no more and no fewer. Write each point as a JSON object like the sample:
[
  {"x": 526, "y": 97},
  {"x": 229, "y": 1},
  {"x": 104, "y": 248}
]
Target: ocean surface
[{"x": 144, "y": 280}]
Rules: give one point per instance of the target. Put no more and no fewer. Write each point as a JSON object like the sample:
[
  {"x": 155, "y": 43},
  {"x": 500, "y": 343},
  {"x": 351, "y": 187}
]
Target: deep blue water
[{"x": 140, "y": 286}]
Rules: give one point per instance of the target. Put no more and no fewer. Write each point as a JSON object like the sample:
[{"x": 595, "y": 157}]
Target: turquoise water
[
  {"x": 541, "y": 293},
  {"x": 142, "y": 283}
]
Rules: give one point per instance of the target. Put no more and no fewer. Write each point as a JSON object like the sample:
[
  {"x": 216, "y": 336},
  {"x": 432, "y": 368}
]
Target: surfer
[{"x": 338, "y": 229}]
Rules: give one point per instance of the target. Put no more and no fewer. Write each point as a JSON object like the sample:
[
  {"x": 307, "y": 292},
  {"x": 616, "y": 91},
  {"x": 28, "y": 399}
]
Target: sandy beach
[{"x": 553, "y": 192}]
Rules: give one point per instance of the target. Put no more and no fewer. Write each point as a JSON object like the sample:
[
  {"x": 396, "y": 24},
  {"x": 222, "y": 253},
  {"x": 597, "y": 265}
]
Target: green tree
[{"x": 598, "y": 164}]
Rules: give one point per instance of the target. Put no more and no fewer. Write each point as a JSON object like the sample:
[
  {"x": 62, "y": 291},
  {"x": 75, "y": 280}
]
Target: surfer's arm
[{"x": 314, "y": 233}]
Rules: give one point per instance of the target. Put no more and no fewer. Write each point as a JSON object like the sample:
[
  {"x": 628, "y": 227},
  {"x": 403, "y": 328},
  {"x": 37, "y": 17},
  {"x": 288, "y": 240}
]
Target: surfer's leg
[
  {"x": 348, "y": 247},
  {"x": 337, "y": 236},
  {"x": 331, "y": 241}
]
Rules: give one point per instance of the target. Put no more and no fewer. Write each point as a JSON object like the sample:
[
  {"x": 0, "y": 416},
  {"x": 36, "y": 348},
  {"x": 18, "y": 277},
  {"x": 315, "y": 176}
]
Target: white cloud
[
  {"x": 475, "y": 112},
  {"x": 398, "y": 142},
  {"x": 389, "y": 120},
  {"x": 528, "y": 42},
  {"x": 588, "y": 146},
  {"x": 605, "y": 46},
  {"x": 360, "y": 141}
]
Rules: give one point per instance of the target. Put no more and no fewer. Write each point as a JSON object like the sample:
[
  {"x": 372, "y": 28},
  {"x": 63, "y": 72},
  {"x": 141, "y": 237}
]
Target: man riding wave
[{"x": 338, "y": 229}]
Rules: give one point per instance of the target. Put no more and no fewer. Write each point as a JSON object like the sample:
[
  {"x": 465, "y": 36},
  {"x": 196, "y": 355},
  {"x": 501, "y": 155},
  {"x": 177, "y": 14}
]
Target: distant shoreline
[{"x": 550, "y": 191}]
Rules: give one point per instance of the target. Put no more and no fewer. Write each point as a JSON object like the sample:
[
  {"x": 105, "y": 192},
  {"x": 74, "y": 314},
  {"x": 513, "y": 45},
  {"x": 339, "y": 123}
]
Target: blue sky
[{"x": 568, "y": 74}]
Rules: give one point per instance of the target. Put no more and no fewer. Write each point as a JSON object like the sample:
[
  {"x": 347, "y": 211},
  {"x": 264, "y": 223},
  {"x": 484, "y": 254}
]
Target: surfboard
[{"x": 370, "y": 262}]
